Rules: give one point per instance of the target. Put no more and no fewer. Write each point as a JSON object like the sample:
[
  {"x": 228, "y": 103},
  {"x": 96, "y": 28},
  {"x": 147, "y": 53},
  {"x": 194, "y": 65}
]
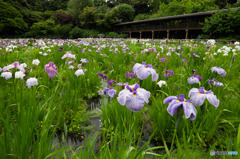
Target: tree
[
  {"x": 224, "y": 3},
  {"x": 11, "y": 20},
  {"x": 103, "y": 17},
  {"x": 74, "y": 7},
  {"x": 43, "y": 28},
  {"x": 177, "y": 7},
  {"x": 141, "y": 6},
  {"x": 122, "y": 13},
  {"x": 88, "y": 17},
  {"x": 223, "y": 24},
  {"x": 62, "y": 18}
]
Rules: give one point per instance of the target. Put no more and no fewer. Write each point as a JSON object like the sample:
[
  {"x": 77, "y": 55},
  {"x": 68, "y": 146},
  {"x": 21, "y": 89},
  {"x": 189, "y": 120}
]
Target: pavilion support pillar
[
  {"x": 130, "y": 35},
  {"x": 152, "y": 35},
  {"x": 167, "y": 34},
  {"x": 140, "y": 35},
  {"x": 186, "y": 34}
]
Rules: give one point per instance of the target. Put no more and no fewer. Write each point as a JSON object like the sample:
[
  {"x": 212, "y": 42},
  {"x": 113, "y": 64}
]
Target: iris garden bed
[{"x": 132, "y": 81}]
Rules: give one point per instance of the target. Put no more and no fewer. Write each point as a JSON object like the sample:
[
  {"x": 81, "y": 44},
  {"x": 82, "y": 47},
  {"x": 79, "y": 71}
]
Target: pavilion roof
[{"x": 176, "y": 16}]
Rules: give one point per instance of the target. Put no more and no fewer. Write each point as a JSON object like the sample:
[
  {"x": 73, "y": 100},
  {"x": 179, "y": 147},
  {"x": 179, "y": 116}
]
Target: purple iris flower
[
  {"x": 122, "y": 84},
  {"x": 111, "y": 92},
  {"x": 133, "y": 97},
  {"x": 207, "y": 47},
  {"x": 168, "y": 73},
  {"x": 219, "y": 70},
  {"x": 233, "y": 58},
  {"x": 84, "y": 60},
  {"x": 184, "y": 60},
  {"x": 143, "y": 71},
  {"x": 153, "y": 49},
  {"x": 198, "y": 97},
  {"x": 0, "y": 69},
  {"x": 130, "y": 75},
  {"x": 175, "y": 103},
  {"x": 61, "y": 48},
  {"x": 111, "y": 81},
  {"x": 70, "y": 62},
  {"x": 215, "y": 83},
  {"x": 102, "y": 76},
  {"x": 51, "y": 69},
  {"x": 163, "y": 59},
  {"x": 198, "y": 76},
  {"x": 192, "y": 80},
  {"x": 14, "y": 65},
  {"x": 195, "y": 55}
]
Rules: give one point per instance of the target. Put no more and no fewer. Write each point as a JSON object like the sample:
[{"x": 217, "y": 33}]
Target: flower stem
[
  {"x": 178, "y": 118},
  {"x": 203, "y": 109},
  {"x": 140, "y": 83}
]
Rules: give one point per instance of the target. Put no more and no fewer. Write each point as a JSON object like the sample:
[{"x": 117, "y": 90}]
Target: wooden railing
[{"x": 178, "y": 26}]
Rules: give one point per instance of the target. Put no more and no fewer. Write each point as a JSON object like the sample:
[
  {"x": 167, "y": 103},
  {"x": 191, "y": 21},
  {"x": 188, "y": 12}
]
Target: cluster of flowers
[
  {"x": 50, "y": 68},
  {"x": 197, "y": 98},
  {"x": 196, "y": 78},
  {"x": 135, "y": 97}
]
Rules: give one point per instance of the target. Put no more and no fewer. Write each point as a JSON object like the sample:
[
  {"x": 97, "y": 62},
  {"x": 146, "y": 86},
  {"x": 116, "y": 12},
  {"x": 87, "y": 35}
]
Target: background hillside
[{"x": 88, "y": 18}]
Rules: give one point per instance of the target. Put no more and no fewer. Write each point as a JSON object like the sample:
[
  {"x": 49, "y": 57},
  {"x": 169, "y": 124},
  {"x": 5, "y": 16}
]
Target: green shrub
[
  {"x": 76, "y": 32},
  {"x": 116, "y": 35},
  {"x": 63, "y": 31},
  {"x": 223, "y": 24},
  {"x": 91, "y": 33},
  {"x": 43, "y": 28}
]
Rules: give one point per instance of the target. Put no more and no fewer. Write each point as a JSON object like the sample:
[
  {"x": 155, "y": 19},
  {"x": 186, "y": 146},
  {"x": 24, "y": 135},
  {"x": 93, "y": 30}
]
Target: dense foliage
[
  {"x": 23, "y": 16},
  {"x": 223, "y": 24},
  {"x": 11, "y": 20}
]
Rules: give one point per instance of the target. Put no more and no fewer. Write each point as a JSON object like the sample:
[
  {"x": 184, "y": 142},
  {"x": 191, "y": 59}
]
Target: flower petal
[
  {"x": 193, "y": 91},
  {"x": 135, "y": 103},
  {"x": 8, "y": 67},
  {"x": 143, "y": 94},
  {"x": 189, "y": 110},
  {"x": 213, "y": 100},
  {"x": 198, "y": 99},
  {"x": 137, "y": 66},
  {"x": 173, "y": 107},
  {"x": 169, "y": 99},
  {"x": 123, "y": 95},
  {"x": 112, "y": 92}
]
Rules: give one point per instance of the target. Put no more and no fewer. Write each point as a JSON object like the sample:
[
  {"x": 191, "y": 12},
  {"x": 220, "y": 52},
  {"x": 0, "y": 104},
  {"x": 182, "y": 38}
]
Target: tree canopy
[
  {"x": 11, "y": 20},
  {"x": 24, "y": 16}
]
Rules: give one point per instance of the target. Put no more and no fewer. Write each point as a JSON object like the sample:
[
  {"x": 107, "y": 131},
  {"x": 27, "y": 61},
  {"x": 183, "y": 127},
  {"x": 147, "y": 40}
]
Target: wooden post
[
  {"x": 167, "y": 34},
  {"x": 186, "y": 34},
  {"x": 130, "y": 35},
  {"x": 140, "y": 35},
  {"x": 152, "y": 35}
]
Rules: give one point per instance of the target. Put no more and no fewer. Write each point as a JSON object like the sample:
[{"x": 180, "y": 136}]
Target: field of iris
[{"x": 158, "y": 99}]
